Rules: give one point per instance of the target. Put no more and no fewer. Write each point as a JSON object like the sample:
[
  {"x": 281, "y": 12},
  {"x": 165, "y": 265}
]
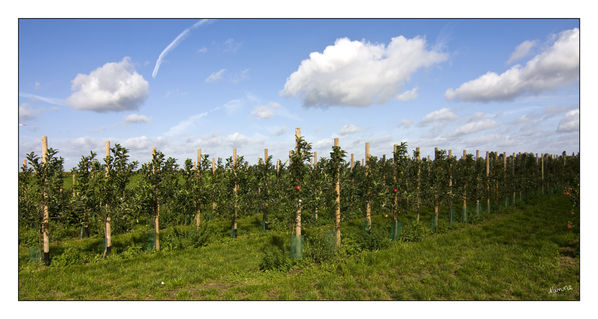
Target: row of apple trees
[{"x": 114, "y": 195}]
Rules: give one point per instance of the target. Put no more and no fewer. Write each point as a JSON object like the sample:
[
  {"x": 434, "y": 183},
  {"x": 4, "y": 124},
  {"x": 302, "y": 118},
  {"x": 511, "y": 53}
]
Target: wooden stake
[
  {"x": 368, "y": 211},
  {"x": 543, "y": 173},
  {"x": 157, "y": 210},
  {"x": 73, "y": 174},
  {"x": 107, "y": 228},
  {"x": 464, "y": 219},
  {"x": 46, "y": 218},
  {"x": 236, "y": 206},
  {"x": 197, "y": 203},
  {"x": 418, "y": 184},
  {"x": 213, "y": 176},
  {"x": 266, "y": 223},
  {"x": 298, "y": 214},
  {"x": 513, "y": 177},
  {"x": 450, "y": 156},
  {"x": 395, "y": 204},
  {"x": 337, "y": 220},
  {"x": 488, "y": 180},
  {"x": 352, "y": 161}
]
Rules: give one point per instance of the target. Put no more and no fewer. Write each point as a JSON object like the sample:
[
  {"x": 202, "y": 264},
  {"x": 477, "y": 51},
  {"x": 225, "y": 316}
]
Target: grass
[{"x": 519, "y": 254}]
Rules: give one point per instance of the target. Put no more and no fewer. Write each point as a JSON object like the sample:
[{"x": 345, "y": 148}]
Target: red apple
[
  {"x": 298, "y": 187},
  {"x": 569, "y": 226},
  {"x": 394, "y": 190}
]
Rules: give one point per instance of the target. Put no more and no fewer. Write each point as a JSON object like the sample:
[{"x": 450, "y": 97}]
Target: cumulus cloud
[
  {"x": 262, "y": 112},
  {"x": 521, "y": 51},
  {"x": 137, "y": 118},
  {"x": 26, "y": 112},
  {"x": 237, "y": 139},
  {"x": 359, "y": 73},
  {"x": 350, "y": 129},
  {"x": 405, "y": 124},
  {"x": 279, "y": 131},
  {"x": 173, "y": 44},
  {"x": 442, "y": 115},
  {"x": 475, "y": 126},
  {"x": 115, "y": 86},
  {"x": 202, "y": 50},
  {"x": 215, "y": 76},
  {"x": 268, "y": 111},
  {"x": 241, "y": 76},
  {"x": 407, "y": 95},
  {"x": 570, "y": 122},
  {"x": 555, "y": 67}
]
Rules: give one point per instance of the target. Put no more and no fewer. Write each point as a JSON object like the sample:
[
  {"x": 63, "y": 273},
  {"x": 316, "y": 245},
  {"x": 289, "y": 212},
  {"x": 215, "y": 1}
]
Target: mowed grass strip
[{"x": 516, "y": 256}]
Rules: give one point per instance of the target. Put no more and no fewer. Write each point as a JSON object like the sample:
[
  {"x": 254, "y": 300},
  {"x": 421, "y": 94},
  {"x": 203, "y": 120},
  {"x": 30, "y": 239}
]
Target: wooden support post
[
  {"x": 477, "y": 201},
  {"x": 265, "y": 215},
  {"x": 395, "y": 202},
  {"x": 235, "y": 189},
  {"x": 418, "y": 184},
  {"x": 464, "y": 218},
  {"x": 298, "y": 213},
  {"x": 107, "y": 228},
  {"x": 543, "y": 173},
  {"x": 337, "y": 219},
  {"x": 450, "y": 192},
  {"x": 504, "y": 155},
  {"x": 290, "y": 157},
  {"x": 513, "y": 177},
  {"x": 213, "y": 176},
  {"x": 435, "y": 194},
  {"x": 488, "y": 181},
  {"x": 277, "y": 167},
  {"x": 46, "y": 217},
  {"x": 156, "y": 211},
  {"x": 315, "y": 166},
  {"x": 197, "y": 203},
  {"x": 352, "y": 161},
  {"x": 368, "y": 212},
  {"x": 73, "y": 186}
]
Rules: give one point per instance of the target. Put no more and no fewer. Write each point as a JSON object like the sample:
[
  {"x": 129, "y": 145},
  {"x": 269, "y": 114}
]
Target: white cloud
[
  {"x": 274, "y": 105},
  {"x": 279, "y": 131},
  {"x": 26, "y": 112},
  {"x": 407, "y": 95},
  {"x": 405, "y": 124},
  {"x": 237, "y": 139},
  {"x": 241, "y": 76},
  {"x": 137, "y": 118},
  {"x": 350, "y": 129},
  {"x": 230, "y": 45},
  {"x": 569, "y": 122},
  {"x": 115, "y": 86},
  {"x": 442, "y": 115},
  {"x": 358, "y": 73},
  {"x": 173, "y": 44},
  {"x": 475, "y": 126},
  {"x": 183, "y": 126},
  {"x": 202, "y": 50},
  {"x": 37, "y": 85},
  {"x": 521, "y": 51},
  {"x": 557, "y": 66},
  {"x": 48, "y": 100},
  {"x": 262, "y": 112},
  {"x": 215, "y": 76}
]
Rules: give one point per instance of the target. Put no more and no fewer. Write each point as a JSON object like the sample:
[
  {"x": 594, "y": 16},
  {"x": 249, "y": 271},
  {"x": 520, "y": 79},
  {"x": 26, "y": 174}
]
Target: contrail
[{"x": 173, "y": 44}]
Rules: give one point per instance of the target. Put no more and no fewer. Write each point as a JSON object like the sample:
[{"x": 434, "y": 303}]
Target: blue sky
[{"x": 493, "y": 85}]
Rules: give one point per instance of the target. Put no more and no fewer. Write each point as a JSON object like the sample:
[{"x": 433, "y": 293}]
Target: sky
[{"x": 183, "y": 84}]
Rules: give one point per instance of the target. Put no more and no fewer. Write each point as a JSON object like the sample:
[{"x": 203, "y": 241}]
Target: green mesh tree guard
[
  {"x": 395, "y": 232},
  {"x": 506, "y": 202},
  {"x": 464, "y": 218},
  {"x": 433, "y": 223},
  {"x": 34, "y": 253},
  {"x": 263, "y": 223},
  {"x": 296, "y": 247},
  {"x": 150, "y": 240},
  {"x": 452, "y": 215},
  {"x": 233, "y": 232},
  {"x": 477, "y": 209},
  {"x": 366, "y": 226}
]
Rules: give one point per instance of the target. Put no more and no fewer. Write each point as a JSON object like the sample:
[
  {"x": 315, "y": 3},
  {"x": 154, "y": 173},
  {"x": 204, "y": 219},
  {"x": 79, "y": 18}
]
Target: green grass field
[{"x": 525, "y": 252}]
